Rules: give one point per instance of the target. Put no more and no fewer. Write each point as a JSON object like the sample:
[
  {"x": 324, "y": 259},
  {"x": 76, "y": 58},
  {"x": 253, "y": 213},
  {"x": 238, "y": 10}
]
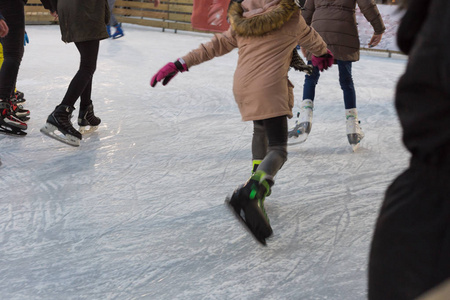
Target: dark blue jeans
[
  {"x": 345, "y": 80},
  {"x": 13, "y": 11}
]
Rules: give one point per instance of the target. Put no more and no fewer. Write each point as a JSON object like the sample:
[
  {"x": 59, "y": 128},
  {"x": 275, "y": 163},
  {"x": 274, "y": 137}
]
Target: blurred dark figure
[{"x": 410, "y": 251}]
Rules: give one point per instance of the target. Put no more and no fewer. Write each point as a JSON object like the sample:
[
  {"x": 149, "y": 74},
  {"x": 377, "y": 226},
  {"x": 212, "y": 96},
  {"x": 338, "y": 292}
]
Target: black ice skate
[
  {"x": 19, "y": 112},
  {"x": 119, "y": 31},
  {"x": 86, "y": 117},
  {"x": 17, "y": 97},
  {"x": 9, "y": 124},
  {"x": 59, "y": 121},
  {"x": 247, "y": 204}
]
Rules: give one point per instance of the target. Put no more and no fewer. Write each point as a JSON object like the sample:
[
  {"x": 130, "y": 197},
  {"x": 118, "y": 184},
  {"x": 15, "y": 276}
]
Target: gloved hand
[
  {"x": 25, "y": 39},
  {"x": 168, "y": 72},
  {"x": 323, "y": 62}
]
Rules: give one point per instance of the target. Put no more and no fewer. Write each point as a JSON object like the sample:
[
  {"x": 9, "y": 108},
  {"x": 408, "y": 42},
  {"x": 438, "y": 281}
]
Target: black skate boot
[
  {"x": 9, "y": 124},
  {"x": 19, "y": 112},
  {"x": 86, "y": 117},
  {"x": 17, "y": 97},
  {"x": 59, "y": 120},
  {"x": 247, "y": 203}
]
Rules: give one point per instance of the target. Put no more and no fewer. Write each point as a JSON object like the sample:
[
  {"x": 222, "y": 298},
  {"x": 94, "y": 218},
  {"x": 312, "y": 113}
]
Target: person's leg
[
  {"x": 112, "y": 20},
  {"x": 309, "y": 85},
  {"x": 353, "y": 128},
  {"x": 81, "y": 84},
  {"x": 411, "y": 243},
  {"x": 346, "y": 82},
  {"x": 12, "y": 117},
  {"x": 259, "y": 144},
  {"x": 276, "y": 132},
  {"x": 303, "y": 123},
  {"x": 270, "y": 136},
  {"x": 113, "y": 23},
  {"x": 13, "y": 48},
  {"x": 59, "y": 119},
  {"x": 86, "y": 116}
]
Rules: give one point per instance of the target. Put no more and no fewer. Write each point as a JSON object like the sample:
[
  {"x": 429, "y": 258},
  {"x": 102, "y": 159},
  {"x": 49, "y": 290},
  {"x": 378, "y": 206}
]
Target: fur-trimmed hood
[{"x": 253, "y": 20}]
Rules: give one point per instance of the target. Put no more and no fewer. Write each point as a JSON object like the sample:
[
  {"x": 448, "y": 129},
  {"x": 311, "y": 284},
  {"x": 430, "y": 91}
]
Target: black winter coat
[
  {"x": 423, "y": 92},
  {"x": 81, "y": 20}
]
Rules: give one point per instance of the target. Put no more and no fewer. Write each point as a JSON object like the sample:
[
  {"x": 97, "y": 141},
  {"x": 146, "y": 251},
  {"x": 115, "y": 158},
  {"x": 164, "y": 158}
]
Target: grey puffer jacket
[{"x": 335, "y": 21}]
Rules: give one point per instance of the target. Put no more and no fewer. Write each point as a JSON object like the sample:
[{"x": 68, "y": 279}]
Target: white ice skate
[
  {"x": 53, "y": 132},
  {"x": 354, "y": 131},
  {"x": 299, "y": 133}
]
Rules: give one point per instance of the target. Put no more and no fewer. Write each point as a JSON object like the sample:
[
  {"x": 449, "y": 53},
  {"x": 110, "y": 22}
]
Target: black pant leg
[
  {"x": 410, "y": 251},
  {"x": 81, "y": 84},
  {"x": 13, "y": 49}
]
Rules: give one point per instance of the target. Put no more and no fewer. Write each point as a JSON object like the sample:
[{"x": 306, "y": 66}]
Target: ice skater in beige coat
[{"x": 265, "y": 32}]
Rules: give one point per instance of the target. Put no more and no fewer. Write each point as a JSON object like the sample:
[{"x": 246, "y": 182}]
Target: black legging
[
  {"x": 269, "y": 144},
  {"x": 81, "y": 84},
  {"x": 13, "y": 12}
]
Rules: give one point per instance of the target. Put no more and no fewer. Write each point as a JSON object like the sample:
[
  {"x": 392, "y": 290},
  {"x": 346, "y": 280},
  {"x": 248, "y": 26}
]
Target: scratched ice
[{"x": 136, "y": 212}]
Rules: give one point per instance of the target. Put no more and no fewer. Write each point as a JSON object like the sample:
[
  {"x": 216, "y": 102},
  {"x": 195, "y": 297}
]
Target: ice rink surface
[{"x": 137, "y": 211}]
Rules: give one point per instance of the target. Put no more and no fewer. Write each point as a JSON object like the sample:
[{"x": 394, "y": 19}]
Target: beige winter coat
[
  {"x": 266, "y": 32},
  {"x": 335, "y": 21}
]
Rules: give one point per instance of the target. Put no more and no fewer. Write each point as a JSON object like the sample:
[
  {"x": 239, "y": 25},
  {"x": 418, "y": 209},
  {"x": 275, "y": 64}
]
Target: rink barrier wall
[
  {"x": 173, "y": 15},
  {"x": 35, "y": 13}
]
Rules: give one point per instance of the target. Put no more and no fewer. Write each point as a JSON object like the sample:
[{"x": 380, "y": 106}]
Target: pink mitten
[
  {"x": 323, "y": 62},
  {"x": 168, "y": 72}
]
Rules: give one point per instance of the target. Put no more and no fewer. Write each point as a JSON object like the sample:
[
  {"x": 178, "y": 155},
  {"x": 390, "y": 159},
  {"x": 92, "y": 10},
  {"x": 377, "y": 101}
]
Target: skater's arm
[
  {"x": 370, "y": 11},
  {"x": 166, "y": 73},
  {"x": 311, "y": 41},
  {"x": 219, "y": 45}
]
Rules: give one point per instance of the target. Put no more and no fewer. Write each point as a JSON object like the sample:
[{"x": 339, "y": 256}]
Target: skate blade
[
  {"x": 24, "y": 119},
  {"x": 115, "y": 37},
  {"x": 12, "y": 132},
  {"x": 50, "y": 130},
  {"x": 244, "y": 224},
  {"x": 84, "y": 130},
  {"x": 297, "y": 140},
  {"x": 355, "y": 146}
]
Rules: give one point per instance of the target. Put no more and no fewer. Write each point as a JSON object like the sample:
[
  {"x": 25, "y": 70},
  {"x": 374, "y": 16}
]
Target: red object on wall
[{"x": 210, "y": 15}]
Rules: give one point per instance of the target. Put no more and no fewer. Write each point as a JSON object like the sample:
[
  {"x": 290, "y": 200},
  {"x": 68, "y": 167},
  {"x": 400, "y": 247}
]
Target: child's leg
[
  {"x": 309, "y": 86},
  {"x": 277, "y": 135},
  {"x": 346, "y": 82},
  {"x": 112, "y": 18},
  {"x": 259, "y": 144},
  {"x": 82, "y": 81},
  {"x": 13, "y": 48},
  {"x": 270, "y": 144}
]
